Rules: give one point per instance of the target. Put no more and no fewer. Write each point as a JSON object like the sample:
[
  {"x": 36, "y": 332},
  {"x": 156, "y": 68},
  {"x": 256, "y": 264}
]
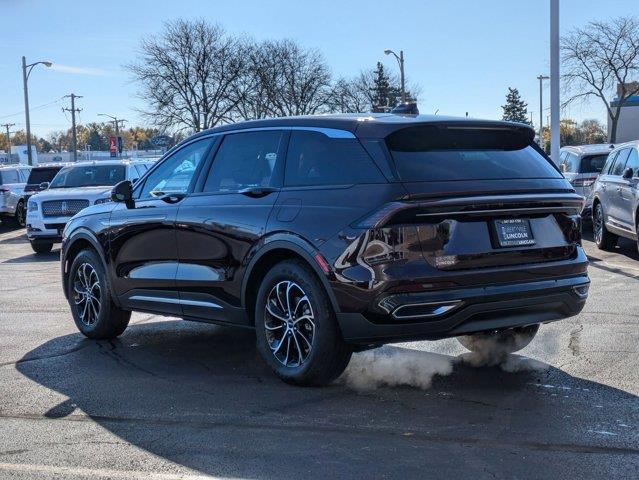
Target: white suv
[
  {"x": 74, "y": 188},
  {"x": 12, "y": 181}
]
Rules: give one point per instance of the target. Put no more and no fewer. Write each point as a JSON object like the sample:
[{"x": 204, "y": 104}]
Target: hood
[{"x": 83, "y": 193}]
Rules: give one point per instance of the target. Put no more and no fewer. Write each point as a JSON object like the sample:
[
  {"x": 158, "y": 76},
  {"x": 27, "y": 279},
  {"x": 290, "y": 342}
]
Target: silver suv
[
  {"x": 616, "y": 197},
  {"x": 581, "y": 167},
  {"x": 12, "y": 181}
]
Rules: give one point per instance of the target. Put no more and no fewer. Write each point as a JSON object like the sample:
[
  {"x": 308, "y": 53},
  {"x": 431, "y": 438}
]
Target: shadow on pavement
[
  {"x": 625, "y": 247},
  {"x": 199, "y": 395},
  {"x": 53, "y": 256}
]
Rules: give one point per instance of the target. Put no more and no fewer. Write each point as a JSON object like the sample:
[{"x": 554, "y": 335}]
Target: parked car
[
  {"x": 581, "y": 166},
  {"x": 330, "y": 234},
  {"x": 39, "y": 178},
  {"x": 74, "y": 187},
  {"x": 12, "y": 181},
  {"x": 616, "y": 197}
]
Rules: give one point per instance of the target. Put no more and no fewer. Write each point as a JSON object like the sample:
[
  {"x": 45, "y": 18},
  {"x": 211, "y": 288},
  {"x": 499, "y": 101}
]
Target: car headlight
[
  {"x": 32, "y": 206},
  {"x": 100, "y": 201}
]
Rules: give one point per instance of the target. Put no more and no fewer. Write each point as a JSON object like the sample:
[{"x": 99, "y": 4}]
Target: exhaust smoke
[{"x": 392, "y": 366}]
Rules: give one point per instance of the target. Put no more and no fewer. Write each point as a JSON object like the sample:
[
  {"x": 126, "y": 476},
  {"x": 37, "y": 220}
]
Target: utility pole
[
  {"x": 73, "y": 96},
  {"x": 7, "y": 126},
  {"x": 541, "y": 79}
]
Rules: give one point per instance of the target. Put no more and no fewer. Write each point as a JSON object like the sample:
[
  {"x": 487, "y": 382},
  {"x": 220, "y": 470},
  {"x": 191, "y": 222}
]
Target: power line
[{"x": 39, "y": 107}]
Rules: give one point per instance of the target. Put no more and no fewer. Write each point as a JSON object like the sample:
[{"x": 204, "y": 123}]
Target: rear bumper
[{"x": 476, "y": 310}]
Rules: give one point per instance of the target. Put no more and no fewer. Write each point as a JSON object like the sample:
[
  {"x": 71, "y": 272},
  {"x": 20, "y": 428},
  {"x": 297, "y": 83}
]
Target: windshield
[
  {"x": 425, "y": 155},
  {"x": 39, "y": 175},
  {"x": 89, "y": 176},
  {"x": 593, "y": 163}
]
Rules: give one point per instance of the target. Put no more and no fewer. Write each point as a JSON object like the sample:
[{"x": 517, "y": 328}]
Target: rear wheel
[
  {"x": 500, "y": 342},
  {"x": 297, "y": 332},
  {"x": 94, "y": 312},
  {"x": 603, "y": 238},
  {"x": 41, "y": 247}
]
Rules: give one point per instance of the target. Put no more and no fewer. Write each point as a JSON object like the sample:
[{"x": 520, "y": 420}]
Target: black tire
[
  {"x": 41, "y": 247},
  {"x": 101, "y": 319},
  {"x": 602, "y": 237},
  {"x": 21, "y": 214},
  {"x": 500, "y": 342},
  {"x": 324, "y": 355}
]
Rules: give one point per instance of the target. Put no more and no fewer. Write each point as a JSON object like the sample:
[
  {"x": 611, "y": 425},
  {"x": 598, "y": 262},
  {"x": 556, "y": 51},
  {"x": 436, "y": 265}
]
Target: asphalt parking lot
[{"x": 178, "y": 400}]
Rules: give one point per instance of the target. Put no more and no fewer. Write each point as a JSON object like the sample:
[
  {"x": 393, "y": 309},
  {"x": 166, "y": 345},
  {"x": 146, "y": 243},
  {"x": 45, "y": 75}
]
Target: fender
[
  {"x": 298, "y": 245},
  {"x": 82, "y": 233}
]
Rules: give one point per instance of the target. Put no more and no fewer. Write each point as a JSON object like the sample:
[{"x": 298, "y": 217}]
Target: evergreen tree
[
  {"x": 515, "y": 110},
  {"x": 380, "y": 89}
]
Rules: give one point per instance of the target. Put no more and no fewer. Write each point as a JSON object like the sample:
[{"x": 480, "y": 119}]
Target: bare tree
[
  {"x": 600, "y": 57},
  {"x": 293, "y": 80},
  {"x": 189, "y": 74}
]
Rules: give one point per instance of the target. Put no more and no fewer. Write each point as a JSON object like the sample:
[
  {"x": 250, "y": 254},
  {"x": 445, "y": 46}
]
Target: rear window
[
  {"x": 39, "y": 175},
  {"x": 444, "y": 153},
  {"x": 9, "y": 176},
  {"x": 593, "y": 163}
]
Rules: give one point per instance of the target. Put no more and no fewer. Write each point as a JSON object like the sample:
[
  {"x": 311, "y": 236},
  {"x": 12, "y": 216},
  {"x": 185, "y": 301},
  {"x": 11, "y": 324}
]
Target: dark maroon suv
[{"x": 330, "y": 234}]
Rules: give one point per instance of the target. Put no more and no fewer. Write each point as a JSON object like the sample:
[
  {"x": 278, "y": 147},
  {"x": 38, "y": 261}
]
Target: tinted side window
[
  {"x": 175, "y": 173},
  {"x": 633, "y": 162},
  {"x": 570, "y": 163},
  {"x": 593, "y": 163},
  {"x": 620, "y": 164},
  {"x": 609, "y": 163},
  {"x": 315, "y": 159},
  {"x": 9, "y": 176},
  {"x": 245, "y": 160}
]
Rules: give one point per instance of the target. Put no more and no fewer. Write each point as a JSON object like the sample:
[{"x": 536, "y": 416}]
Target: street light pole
[
  {"x": 26, "y": 71},
  {"x": 554, "y": 81},
  {"x": 400, "y": 60},
  {"x": 541, "y": 78}
]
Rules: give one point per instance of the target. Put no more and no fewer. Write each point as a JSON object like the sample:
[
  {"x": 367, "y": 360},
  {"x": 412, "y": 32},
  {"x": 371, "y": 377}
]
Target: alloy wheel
[
  {"x": 289, "y": 323},
  {"x": 87, "y": 293},
  {"x": 20, "y": 214},
  {"x": 598, "y": 224}
]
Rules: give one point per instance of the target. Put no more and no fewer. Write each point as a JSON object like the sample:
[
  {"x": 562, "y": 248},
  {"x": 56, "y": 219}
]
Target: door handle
[
  {"x": 172, "y": 197},
  {"x": 257, "y": 192}
]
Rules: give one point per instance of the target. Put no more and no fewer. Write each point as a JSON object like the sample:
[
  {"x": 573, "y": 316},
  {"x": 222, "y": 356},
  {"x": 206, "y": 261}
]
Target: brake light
[{"x": 582, "y": 182}]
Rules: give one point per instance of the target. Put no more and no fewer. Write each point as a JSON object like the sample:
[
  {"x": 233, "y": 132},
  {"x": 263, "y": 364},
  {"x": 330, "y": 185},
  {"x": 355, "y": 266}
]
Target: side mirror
[
  {"x": 122, "y": 192},
  {"x": 562, "y": 168},
  {"x": 43, "y": 185},
  {"x": 627, "y": 173}
]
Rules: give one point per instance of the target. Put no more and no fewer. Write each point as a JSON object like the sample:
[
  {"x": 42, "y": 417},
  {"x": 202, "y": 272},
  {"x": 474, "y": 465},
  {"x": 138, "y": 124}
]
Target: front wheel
[
  {"x": 21, "y": 214},
  {"x": 603, "y": 238},
  {"x": 41, "y": 247},
  {"x": 500, "y": 342},
  {"x": 94, "y": 312},
  {"x": 297, "y": 332}
]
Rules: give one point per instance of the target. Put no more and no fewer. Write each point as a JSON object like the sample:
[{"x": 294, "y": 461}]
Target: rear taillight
[{"x": 582, "y": 182}]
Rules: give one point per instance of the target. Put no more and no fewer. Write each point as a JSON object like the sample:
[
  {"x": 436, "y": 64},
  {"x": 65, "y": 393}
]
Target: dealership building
[{"x": 628, "y": 126}]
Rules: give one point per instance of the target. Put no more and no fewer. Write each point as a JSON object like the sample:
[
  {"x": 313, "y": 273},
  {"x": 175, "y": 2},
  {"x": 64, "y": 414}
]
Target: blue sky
[{"x": 463, "y": 53}]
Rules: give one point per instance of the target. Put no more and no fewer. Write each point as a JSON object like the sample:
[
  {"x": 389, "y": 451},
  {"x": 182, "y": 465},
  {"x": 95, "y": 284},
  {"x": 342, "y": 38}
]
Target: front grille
[{"x": 63, "y": 208}]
